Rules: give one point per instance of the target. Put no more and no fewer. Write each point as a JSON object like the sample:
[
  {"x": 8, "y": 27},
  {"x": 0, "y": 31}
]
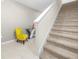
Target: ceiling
[{"x": 39, "y": 5}]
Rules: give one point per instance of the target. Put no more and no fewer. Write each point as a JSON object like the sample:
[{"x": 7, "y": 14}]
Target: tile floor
[{"x": 16, "y": 50}]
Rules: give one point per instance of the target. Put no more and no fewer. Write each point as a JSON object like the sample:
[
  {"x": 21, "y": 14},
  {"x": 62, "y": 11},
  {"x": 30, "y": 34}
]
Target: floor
[{"x": 16, "y": 50}]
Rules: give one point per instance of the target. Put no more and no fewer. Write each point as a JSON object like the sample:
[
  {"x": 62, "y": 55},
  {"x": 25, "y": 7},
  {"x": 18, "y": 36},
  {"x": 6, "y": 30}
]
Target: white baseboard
[{"x": 7, "y": 42}]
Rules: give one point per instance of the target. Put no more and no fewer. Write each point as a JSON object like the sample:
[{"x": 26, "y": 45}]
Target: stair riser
[{"x": 69, "y": 37}]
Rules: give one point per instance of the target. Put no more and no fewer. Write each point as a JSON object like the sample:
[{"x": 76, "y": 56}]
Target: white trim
[{"x": 7, "y": 42}]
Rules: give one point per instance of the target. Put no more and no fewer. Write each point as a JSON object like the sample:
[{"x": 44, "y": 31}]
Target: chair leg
[
  {"x": 16, "y": 40},
  {"x": 23, "y": 42}
]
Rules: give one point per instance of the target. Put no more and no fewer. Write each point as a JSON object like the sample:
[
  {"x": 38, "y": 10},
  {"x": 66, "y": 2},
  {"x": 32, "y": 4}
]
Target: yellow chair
[{"x": 20, "y": 36}]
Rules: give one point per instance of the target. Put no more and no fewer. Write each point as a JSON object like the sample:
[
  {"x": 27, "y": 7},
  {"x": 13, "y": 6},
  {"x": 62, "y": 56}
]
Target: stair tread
[
  {"x": 65, "y": 15},
  {"x": 65, "y": 29},
  {"x": 60, "y": 19},
  {"x": 65, "y": 18},
  {"x": 70, "y": 17},
  {"x": 66, "y": 25},
  {"x": 65, "y": 34},
  {"x": 68, "y": 43},
  {"x": 61, "y": 51},
  {"x": 74, "y": 50},
  {"x": 66, "y": 22}
]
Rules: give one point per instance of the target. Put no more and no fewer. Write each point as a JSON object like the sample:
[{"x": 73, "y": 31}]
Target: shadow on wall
[{"x": 15, "y": 15}]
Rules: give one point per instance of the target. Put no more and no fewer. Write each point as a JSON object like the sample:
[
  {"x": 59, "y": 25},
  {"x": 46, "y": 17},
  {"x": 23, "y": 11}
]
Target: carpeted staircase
[{"x": 62, "y": 42}]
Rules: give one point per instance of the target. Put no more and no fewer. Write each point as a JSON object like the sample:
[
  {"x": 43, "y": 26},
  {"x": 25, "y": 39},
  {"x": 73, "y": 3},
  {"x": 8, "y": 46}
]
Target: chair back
[{"x": 18, "y": 31}]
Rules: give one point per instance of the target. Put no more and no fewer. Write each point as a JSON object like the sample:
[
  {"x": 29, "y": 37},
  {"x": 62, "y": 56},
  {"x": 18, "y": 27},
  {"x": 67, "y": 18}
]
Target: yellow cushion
[
  {"x": 18, "y": 31},
  {"x": 20, "y": 35}
]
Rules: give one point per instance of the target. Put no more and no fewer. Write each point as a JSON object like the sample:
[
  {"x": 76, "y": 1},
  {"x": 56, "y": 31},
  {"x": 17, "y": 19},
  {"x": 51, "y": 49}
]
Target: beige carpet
[{"x": 62, "y": 41}]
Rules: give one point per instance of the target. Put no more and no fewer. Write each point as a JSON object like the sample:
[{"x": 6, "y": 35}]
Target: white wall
[
  {"x": 67, "y": 1},
  {"x": 15, "y": 15}
]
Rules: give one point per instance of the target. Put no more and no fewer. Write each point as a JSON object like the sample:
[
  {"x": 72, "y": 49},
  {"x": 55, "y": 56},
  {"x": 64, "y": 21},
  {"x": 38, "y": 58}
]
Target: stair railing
[{"x": 44, "y": 23}]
